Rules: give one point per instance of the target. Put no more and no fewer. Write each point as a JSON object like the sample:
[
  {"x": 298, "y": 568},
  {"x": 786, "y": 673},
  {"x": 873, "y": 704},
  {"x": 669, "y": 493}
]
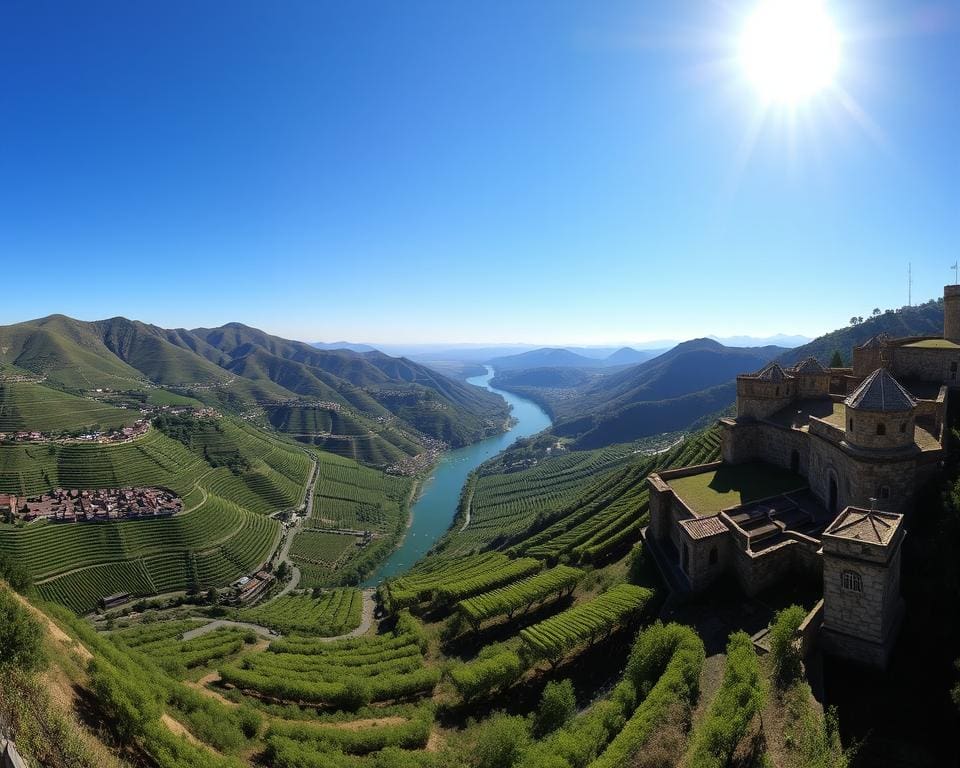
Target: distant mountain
[
  {"x": 343, "y": 345},
  {"x": 667, "y": 393},
  {"x": 630, "y": 356},
  {"x": 370, "y": 406},
  {"x": 546, "y": 357},
  {"x": 778, "y": 340}
]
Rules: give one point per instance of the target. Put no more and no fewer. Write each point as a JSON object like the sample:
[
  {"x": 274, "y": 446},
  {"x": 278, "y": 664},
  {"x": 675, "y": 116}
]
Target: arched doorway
[
  {"x": 832, "y": 498},
  {"x": 795, "y": 461}
]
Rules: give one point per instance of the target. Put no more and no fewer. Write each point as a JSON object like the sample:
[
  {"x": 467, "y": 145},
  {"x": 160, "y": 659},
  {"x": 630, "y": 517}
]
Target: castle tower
[
  {"x": 869, "y": 355},
  {"x": 880, "y": 414},
  {"x": 762, "y": 394},
  {"x": 862, "y": 606},
  {"x": 951, "y": 313}
]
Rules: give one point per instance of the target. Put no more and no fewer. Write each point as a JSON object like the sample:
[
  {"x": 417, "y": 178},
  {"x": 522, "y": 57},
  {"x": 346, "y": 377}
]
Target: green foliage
[
  {"x": 836, "y": 359},
  {"x": 28, "y": 407},
  {"x": 493, "y": 670},
  {"x": 505, "y": 601},
  {"x": 410, "y": 734},
  {"x": 812, "y": 740},
  {"x": 501, "y": 742},
  {"x": 15, "y": 574},
  {"x": 665, "y": 664},
  {"x": 21, "y": 636},
  {"x": 127, "y": 707},
  {"x": 738, "y": 701},
  {"x": 552, "y": 638},
  {"x": 333, "y": 613},
  {"x": 557, "y": 705},
  {"x": 784, "y": 649}
]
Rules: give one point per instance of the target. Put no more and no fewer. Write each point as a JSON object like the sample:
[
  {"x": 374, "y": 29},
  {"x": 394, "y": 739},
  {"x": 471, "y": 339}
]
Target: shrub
[
  {"x": 21, "y": 636},
  {"x": 557, "y": 705},
  {"x": 494, "y": 669},
  {"x": 501, "y": 742},
  {"x": 783, "y": 647}
]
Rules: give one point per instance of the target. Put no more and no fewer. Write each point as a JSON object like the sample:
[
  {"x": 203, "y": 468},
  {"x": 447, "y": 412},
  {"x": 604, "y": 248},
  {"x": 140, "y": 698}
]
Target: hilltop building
[{"x": 819, "y": 468}]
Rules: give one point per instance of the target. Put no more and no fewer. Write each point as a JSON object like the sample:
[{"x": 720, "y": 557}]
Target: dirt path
[
  {"x": 54, "y": 630},
  {"x": 218, "y": 623},
  {"x": 370, "y": 722}
]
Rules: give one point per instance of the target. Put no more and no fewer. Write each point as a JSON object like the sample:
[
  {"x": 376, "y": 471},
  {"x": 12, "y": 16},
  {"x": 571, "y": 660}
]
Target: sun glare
[{"x": 790, "y": 49}]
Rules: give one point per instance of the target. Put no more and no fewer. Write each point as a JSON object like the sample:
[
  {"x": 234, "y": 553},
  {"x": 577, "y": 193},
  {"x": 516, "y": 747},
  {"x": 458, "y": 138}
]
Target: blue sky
[{"x": 552, "y": 172}]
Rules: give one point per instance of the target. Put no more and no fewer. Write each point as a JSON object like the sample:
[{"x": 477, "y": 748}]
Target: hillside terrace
[
  {"x": 138, "y": 429},
  {"x": 74, "y": 505}
]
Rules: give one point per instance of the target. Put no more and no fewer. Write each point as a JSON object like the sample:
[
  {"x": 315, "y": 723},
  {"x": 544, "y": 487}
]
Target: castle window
[
  {"x": 881, "y": 428},
  {"x": 903, "y": 427},
  {"x": 713, "y": 555},
  {"x": 851, "y": 581}
]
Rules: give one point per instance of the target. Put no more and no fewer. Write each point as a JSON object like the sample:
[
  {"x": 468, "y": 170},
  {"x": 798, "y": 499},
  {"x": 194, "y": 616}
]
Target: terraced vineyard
[
  {"x": 447, "y": 580},
  {"x": 345, "y": 674},
  {"x": 333, "y": 613},
  {"x": 519, "y": 595},
  {"x": 163, "y": 643},
  {"x": 342, "y": 432},
  {"x": 351, "y": 496},
  {"x": 26, "y": 406},
  {"x": 553, "y": 637},
  {"x": 505, "y": 505}
]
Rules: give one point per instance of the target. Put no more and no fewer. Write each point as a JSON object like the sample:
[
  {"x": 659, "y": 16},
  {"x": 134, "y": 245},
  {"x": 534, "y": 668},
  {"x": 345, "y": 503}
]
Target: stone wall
[
  {"x": 760, "y": 399},
  {"x": 707, "y": 559},
  {"x": 925, "y": 364},
  {"x": 951, "y": 313},
  {"x": 858, "y": 479},
  {"x": 869, "y": 429},
  {"x": 813, "y": 385}
]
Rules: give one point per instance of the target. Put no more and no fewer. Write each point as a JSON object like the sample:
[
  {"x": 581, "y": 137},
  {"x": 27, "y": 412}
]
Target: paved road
[{"x": 292, "y": 531}]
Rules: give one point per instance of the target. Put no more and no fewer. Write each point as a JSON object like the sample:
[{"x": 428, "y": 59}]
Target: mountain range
[{"x": 368, "y": 405}]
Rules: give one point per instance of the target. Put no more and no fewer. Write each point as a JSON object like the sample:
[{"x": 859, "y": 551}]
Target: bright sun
[{"x": 790, "y": 49}]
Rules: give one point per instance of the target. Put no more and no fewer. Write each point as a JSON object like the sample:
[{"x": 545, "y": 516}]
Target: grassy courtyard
[
  {"x": 734, "y": 484},
  {"x": 933, "y": 344}
]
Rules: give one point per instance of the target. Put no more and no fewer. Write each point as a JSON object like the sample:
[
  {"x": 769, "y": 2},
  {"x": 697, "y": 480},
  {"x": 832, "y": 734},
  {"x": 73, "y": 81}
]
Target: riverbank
[{"x": 438, "y": 504}]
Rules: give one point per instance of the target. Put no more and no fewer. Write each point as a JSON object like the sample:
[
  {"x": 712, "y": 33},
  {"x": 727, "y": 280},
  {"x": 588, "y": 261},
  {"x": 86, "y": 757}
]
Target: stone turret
[
  {"x": 862, "y": 607},
  {"x": 869, "y": 355},
  {"x": 951, "y": 313},
  {"x": 765, "y": 392},
  {"x": 880, "y": 414},
  {"x": 813, "y": 380}
]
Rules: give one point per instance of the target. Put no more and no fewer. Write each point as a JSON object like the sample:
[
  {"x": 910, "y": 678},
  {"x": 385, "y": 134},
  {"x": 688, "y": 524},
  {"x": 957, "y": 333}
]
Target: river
[{"x": 436, "y": 505}]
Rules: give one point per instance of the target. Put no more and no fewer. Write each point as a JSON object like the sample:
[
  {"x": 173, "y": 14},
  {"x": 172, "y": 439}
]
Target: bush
[
  {"x": 21, "y": 636},
  {"x": 783, "y": 647},
  {"x": 493, "y": 670},
  {"x": 557, "y": 705},
  {"x": 14, "y": 574},
  {"x": 501, "y": 742}
]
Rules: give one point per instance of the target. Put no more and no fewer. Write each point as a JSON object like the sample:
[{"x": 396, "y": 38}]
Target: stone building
[{"x": 818, "y": 468}]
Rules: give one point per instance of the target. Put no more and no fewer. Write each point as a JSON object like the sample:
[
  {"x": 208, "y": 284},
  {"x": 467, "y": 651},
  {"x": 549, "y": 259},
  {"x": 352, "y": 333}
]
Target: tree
[
  {"x": 213, "y": 596},
  {"x": 859, "y": 320},
  {"x": 853, "y": 320},
  {"x": 15, "y": 574},
  {"x": 282, "y": 570},
  {"x": 837, "y": 360},
  {"x": 557, "y": 705},
  {"x": 876, "y": 311},
  {"x": 21, "y": 636}
]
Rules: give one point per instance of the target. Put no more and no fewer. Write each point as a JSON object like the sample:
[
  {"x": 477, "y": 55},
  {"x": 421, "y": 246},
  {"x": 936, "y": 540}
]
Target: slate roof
[
  {"x": 771, "y": 372},
  {"x": 810, "y": 366},
  {"x": 874, "y": 341},
  {"x": 704, "y": 527},
  {"x": 880, "y": 392},
  {"x": 870, "y": 526}
]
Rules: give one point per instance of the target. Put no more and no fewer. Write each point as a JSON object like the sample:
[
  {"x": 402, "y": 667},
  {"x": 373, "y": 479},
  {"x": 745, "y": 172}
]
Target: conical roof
[
  {"x": 771, "y": 372},
  {"x": 880, "y": 392},
  {"x": 874, "y": 341},
  {"x": 810, "y": 366}
]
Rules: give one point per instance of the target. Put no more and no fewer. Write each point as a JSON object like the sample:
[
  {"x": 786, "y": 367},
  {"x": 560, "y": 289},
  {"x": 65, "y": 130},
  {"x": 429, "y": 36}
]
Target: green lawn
[
  {"x": 734, "y": 484},
  {"x": 934, "y": 344}
]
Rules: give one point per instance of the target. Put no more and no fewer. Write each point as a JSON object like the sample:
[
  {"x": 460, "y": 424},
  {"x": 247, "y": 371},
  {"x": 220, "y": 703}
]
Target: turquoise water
[{"x": 434, "y": 510}]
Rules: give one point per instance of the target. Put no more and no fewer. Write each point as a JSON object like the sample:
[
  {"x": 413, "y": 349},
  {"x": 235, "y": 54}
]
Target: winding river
[{"x": 437, "y": 504}]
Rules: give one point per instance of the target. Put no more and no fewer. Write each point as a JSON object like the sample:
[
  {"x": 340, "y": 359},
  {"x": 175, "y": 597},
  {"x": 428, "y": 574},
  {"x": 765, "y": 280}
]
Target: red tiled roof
[{"x": 704, "y": 527}]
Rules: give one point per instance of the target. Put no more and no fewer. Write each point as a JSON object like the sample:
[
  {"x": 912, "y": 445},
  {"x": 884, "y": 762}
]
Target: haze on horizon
[{"x": 438, "y": 173}]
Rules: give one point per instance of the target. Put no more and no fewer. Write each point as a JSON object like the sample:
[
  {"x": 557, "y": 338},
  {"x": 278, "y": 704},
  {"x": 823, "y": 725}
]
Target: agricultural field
[
  {"x": 351, "y": 496},
  {"x": 163, "y": 643},
  {"x": 332, "y": 613},
  {"x": 504, "y": 505},
  {"x": 520, "y": 595},
  {"x": 27, "y": 407}
]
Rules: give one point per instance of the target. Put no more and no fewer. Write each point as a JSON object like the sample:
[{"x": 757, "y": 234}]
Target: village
[{"x": 61, "y": 505}]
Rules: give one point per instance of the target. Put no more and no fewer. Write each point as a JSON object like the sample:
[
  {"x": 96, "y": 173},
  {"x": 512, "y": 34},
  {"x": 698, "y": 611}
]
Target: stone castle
[{"x": 819, "y": 468}]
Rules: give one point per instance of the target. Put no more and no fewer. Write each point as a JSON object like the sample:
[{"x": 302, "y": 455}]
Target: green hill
[
  {"x": 27, "y": 406},
  {"x": 368, "y": 406}
]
